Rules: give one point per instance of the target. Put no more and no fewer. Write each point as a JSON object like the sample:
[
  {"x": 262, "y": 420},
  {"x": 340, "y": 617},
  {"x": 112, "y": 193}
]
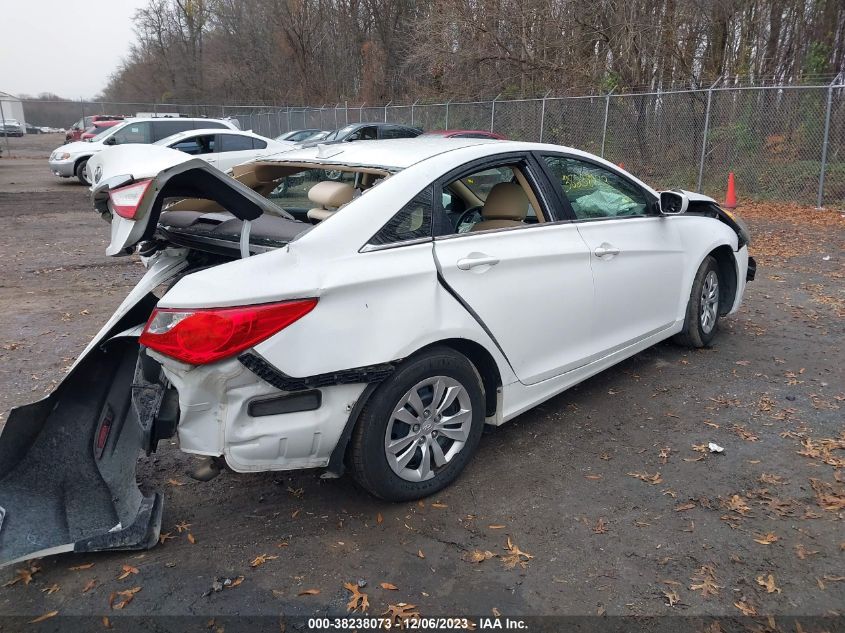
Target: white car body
[
  {"x": 222, "y": 157},
  {"x": 527, "y": 309},
  {"x": 65, "y": 160}
]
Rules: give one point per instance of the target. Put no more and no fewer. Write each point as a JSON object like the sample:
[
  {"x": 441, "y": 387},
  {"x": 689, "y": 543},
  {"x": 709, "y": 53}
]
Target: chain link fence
[{"x": 784, "y": 143}]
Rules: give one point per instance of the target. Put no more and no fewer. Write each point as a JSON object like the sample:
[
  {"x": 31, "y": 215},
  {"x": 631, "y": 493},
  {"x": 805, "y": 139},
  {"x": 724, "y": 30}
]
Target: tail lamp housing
[
  {"x": 126, "y": 200},
  {"x": 203, "y": 336}
]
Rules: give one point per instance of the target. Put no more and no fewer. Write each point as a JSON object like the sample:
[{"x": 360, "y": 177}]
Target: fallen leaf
[
  {"x": 743, "y": 363},
  {"x": 831, "y": 578},
  {"x": 771, "y": 479},
  {"x": 175, "y": 482},
  {"x": 477, "y": 556},
  {"x": 592, "y": 477},
  {"x": 81, "y": 567},
  {"x": 768, "y": 583},
  {"x": 127, "y": 595},
  {"x": 672, "y": 597},
  {"x": 182, "y": 526},
  {"x": 601, "y": 526},
  {"x": 705, "y": 581},
  {"x": 51, "y": 589},
  {"x": 515, "y": 556},
  {"x": 236, "y": 582},
  {"x": 89, "y": 585},
  {"x": 379, "y": 518},
  {"x": 389, "y": 586},
  {"x": 46, "y": 616},
  {"x": 496, "y": 527},
  {"x": 192, "y": 539},
  {"x": 261, "y": 559},
  {"x": 649, "y": 479},
  {"x": 420, "y": 553},
  {"x": 399, "y": 613},
  {"x": 127, "y": 571},
  {"x": 358, "y": 601},
  {"x": 745, "y": 607},
  {"x": 802, "y": 552},
  {"x": 106, "y": 622},
  {"x": 164, "y": 537},
  {"x": 738, "y": 505},
  {"x": 309, "y": 592},
  {"x": 439, "y": 505},
  {"x": 685, "y": 507},
  {"x": 767, "y": 539}
]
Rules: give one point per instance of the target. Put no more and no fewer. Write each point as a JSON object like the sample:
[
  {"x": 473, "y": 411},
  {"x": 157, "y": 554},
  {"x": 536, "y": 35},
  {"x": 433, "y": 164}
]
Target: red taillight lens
[
  {"x": 199, "y": 337},
  {"x": 125, "y": 200}
]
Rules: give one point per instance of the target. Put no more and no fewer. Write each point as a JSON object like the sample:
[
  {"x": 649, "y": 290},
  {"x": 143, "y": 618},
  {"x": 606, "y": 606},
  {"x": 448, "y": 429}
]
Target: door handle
[
  {"x": 476, "y": 259},
  {"x": 605, "y": 249}
]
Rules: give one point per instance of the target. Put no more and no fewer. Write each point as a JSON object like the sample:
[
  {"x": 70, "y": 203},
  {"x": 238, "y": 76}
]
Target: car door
[
  {"x": 636, "y": 254},
  {"x": 234, "y": 149},
  {"x": 528, "y": 285}
]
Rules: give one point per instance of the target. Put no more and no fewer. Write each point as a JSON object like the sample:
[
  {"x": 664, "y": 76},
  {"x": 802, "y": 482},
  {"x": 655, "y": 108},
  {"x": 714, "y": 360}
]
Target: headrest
[
  {"x": 331, "y": 195},
  {"x": 506, "y": 201}
]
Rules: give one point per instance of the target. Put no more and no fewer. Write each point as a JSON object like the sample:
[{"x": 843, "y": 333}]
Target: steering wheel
[{"x": 468, "y": 219}]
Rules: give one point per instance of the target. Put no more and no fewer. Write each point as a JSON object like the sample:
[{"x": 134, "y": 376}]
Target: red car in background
[
  {"x": 82, "y": 126},
  {"x": 98, "y": 127},
  {"x": 465, "y": 134}
]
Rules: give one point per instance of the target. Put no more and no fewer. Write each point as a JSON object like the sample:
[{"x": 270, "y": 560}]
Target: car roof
[
  {"x": 210, "y": 130},
  {"x": 393, "y": 154}
]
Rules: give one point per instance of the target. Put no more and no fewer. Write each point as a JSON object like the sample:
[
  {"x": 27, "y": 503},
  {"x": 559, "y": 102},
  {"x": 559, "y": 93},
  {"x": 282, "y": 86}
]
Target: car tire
[
  {"x": 437, "y": 372},
  {"x": 81, "y": 171},
  {"x": 702, "y": 317}
]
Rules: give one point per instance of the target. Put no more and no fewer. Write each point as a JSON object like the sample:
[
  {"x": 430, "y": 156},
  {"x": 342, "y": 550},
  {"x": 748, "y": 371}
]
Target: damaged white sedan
[{"x": 395, "y": 298}]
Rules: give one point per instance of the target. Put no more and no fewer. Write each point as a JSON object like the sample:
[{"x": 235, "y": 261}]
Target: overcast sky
[{"x": 68, "y": 47}]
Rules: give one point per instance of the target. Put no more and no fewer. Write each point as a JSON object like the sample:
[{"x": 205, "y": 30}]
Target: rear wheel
[
  {"x": 702, "y": 317},
  {"x": 81, "y": 172},
  {"x": 420, "y": 427}
]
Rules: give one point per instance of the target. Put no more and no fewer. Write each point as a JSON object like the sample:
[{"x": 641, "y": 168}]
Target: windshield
[
  {"x": 341, "y": 133},
  {"x": 105, "y": 132}
]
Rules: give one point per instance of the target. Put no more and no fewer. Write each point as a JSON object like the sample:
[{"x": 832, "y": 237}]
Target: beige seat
[
  {"x": 330, "y": 196},
  {"x": 506, "y": 206}
]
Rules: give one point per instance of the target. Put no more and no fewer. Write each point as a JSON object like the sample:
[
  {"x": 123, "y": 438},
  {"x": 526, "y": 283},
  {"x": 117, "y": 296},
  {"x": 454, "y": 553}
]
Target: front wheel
[
  {"x": 702, "y": 317},
  {"x": 420, "y": 428},
  {"x": 81, "y": 172}
]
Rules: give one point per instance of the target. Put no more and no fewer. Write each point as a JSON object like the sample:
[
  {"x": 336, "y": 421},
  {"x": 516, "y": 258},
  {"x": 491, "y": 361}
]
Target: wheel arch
[{"x": 728, "y": 276}]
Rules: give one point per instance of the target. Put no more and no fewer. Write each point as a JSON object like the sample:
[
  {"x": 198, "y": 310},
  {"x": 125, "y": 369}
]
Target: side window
[
  {"x": 133, "y": 133},
  {"x": 364, "y": 134},
  {"x": 189, "y": 146},
  {"x": 235, "y": 142},
  {"x": 167, "y": 127},
  {"x": 397, "y": 132},
  {"x": 595, "y": 192},
  {"x": 259, "y": 144},
  {"x": 210, "y": 125},
  {"x": 411, "y": 222}
]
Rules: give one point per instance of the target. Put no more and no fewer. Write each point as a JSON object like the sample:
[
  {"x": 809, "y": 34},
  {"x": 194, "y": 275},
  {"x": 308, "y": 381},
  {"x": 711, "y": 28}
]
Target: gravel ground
[{"x": 607, "y": 488}]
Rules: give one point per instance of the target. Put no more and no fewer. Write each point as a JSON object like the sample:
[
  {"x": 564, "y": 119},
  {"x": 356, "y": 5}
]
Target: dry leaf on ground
[
  {"x": 477, "y": 556},
  {"x": 745, "y": 607},
  {"x": 672, "y": 597},
  {"x": 649, "y": 479},
  {"x": 601, "y": 526},
  {"x": 127, "y": 596},
  {"x": 515, "y": 556},
  {"x": 309, "y": 592},
  {"x": 767, "y": 539},
  {"x": 768, "y": 583},
  {"x": 388, "y": 586},
  {"x": 46, "y": 616},
  {"x": 81, "y": 567},
  {"x": 705, "y": 581},
  {"x": 89, "y": 585},
  {"x": 261, "y": 559},
  {"x": 398, "y": 613},
  {"x": 182, "y": 526},
  {"x": 358, "y": 601},
  {"x": 127, "y": 571}
]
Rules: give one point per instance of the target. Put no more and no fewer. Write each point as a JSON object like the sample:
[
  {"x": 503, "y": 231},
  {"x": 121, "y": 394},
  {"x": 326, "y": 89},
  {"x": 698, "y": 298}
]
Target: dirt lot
[{"x": 607, "y": 488}]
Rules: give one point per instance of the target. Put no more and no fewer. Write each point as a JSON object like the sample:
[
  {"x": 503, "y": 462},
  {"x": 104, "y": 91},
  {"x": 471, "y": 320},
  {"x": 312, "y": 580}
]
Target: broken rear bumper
[{"x": 67, "y": 465}]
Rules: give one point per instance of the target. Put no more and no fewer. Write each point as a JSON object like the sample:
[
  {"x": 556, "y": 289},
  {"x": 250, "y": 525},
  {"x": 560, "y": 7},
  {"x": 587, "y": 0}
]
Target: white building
[{"x": 12, "y": 108}]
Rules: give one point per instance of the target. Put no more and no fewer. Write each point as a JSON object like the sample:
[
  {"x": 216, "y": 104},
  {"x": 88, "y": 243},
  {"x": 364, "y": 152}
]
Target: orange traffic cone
[{"x": 730, "y": 196}]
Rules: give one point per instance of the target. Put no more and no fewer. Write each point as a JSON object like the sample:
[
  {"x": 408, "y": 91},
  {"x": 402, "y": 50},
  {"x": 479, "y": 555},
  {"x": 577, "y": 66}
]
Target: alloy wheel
[
  {"x": 429, "y": 426},
  {"x": 709, "y": 302}
]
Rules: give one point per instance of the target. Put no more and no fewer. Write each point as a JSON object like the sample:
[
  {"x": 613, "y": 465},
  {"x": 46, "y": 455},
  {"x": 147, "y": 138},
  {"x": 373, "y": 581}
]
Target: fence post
[
  {"x": 413, "y": 105},
  {"x": 826, "y": 140},
  {"x": 543, "y": 115},
  {"x": 385, "y": 109},
  {"x": 606, "y": 112},
  {"x": 704, "y": 135},
  {"x": 493, "y": 111},
  {"x": 82, "y": 107},
  {"x": 447, "y": 113},
  {"x": 346, "y": 111}
]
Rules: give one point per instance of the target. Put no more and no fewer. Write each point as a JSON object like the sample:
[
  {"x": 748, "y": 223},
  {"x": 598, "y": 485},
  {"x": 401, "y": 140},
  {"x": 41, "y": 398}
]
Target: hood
[{"x": 77, "y": 147}]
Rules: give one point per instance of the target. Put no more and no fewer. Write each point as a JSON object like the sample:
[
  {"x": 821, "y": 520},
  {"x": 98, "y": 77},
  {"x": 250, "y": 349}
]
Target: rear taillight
[
  {"x": 125, "y": 200},
  {"x": 206, "y": 336}
]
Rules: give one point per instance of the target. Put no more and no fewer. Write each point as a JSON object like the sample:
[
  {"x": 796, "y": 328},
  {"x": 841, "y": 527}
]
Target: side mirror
[
  {"x": 673, "y": 202},
  {"x": 110, "y": 141}
]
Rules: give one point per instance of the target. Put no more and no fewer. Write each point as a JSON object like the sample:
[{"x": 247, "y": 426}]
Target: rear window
[
  {"x": 235, "y": 143},
  {"x": 164, "y": 128}
]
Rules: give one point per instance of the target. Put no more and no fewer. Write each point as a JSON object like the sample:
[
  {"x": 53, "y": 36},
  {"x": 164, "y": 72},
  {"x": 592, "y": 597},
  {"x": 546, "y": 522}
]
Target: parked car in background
[
  {"x": 72, "y": 159},
  {"x": 75, "y": 131},
  {"x": 369, "y": 132},
  {"x": 464, "y": 134},
  {"x": 297, "y": 136},
  {"x": 11, "y": 127},
  {"x": 98, "y": 128},
  {"x": 222, "y": 148}
]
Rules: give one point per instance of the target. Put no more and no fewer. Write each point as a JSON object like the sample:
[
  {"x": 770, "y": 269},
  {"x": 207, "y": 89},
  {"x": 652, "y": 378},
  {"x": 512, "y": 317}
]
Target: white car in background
[
  {"x": 71, "y": 160},
  {"x": 224, "y": 148}
]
